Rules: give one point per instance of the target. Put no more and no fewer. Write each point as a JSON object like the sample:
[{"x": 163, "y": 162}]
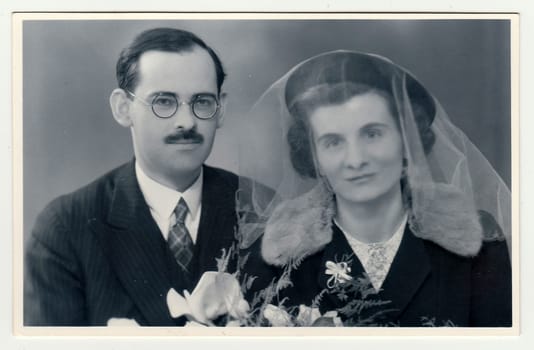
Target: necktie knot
[{"x": 180, "y": 212}]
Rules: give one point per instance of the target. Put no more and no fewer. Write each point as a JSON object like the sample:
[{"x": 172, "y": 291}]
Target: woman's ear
[
  {"x": 220, "y": 112},
  {"x": 120, "y": 106}
]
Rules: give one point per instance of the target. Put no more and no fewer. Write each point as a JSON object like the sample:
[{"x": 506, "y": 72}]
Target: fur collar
[{"x": 302, "y": 226}]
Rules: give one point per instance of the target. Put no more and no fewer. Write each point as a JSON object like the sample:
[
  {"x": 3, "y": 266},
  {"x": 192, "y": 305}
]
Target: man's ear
[
  {"x": 222, "y": 107},
  {"x": 120, "y": 106}
]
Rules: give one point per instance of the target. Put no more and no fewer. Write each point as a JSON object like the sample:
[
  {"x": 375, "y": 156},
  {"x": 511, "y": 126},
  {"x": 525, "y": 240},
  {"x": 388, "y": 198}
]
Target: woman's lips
[{"x": 360, "y": 178}]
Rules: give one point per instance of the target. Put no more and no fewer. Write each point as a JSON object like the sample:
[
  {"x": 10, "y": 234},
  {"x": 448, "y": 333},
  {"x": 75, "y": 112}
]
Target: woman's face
[{"x": 358, "y": 147}]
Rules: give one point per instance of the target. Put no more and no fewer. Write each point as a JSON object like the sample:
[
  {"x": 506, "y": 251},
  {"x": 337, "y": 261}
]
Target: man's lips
[{"x": 184, "y": 142}]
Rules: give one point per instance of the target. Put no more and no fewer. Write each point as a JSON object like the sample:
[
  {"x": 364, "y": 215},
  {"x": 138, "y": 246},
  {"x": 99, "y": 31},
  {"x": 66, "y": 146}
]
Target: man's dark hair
[{"x": 160, "y": 39}]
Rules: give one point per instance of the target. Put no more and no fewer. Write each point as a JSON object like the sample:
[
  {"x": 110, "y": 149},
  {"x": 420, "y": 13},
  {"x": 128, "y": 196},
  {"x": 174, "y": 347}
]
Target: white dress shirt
[
  {"x": 376, "y": 270},
  {"x": 162, "y": 201}
]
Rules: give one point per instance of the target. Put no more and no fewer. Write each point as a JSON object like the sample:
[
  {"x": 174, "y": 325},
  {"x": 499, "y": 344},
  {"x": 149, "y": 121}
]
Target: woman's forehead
[{"x": 357, "y": 112}]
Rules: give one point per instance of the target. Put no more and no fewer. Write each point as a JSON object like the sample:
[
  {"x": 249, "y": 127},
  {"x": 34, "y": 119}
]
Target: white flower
[
  {"x": 307, "y": 315},
  {"x": 216, "y": 294},
  {"x": 339, "y": 273},
  {"x": 177, "y": 304},
  {"x": 234, "y": 323},
  {"x": 122, "y": 322},
  {"x": 276, "y": 316},
  {"x": 335, "y": 318}
]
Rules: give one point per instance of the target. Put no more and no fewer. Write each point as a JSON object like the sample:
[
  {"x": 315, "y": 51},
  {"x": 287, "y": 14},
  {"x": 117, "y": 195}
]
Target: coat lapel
[
  {"x": 136, "y": 249},
  {"x": 338, "y": 250},
  {"x": 217, "y": 221},
  {"x": 408, "y": 271}
]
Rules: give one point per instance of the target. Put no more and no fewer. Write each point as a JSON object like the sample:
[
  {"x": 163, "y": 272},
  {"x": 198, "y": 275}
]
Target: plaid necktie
[{"x": 179, "y": 240}]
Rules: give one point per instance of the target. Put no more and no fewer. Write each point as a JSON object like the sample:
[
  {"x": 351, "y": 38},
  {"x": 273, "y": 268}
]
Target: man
[{"x": 114, "y": 248}]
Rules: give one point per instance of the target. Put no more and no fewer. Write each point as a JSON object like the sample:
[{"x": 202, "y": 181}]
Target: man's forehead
[{"x": 193, "y": 70}]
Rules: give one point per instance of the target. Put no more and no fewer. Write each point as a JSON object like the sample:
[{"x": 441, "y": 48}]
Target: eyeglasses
[{"x": 164, "y": 105}]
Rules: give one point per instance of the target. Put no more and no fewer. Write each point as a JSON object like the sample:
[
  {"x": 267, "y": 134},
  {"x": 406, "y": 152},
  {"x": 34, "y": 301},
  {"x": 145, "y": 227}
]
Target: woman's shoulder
[
  {"x": 491, "y": 230},
  {"x": 298, "y": 227},
  {"x": 492, "y": 243}
]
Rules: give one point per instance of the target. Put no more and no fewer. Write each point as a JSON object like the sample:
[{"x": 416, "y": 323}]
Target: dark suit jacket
[
  {"x": 97, "y": 253},
  {"x": 424, "y": 280}
]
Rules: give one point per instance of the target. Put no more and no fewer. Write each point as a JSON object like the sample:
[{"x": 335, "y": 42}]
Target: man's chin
[{"x": 186, "y": 163}]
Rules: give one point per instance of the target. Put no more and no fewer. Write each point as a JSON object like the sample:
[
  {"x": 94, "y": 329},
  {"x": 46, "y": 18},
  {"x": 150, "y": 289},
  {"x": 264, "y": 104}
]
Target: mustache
[{"x": 190, "y": 135}]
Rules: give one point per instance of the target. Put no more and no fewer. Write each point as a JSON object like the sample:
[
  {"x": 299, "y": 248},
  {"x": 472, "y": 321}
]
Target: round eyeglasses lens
[
  {"x": 205, "y": 106},
  {"x": 164, "y": 106}
]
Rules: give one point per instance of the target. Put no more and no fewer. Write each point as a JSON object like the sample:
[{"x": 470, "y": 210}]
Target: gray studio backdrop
[{"x": 70, "y": 137}]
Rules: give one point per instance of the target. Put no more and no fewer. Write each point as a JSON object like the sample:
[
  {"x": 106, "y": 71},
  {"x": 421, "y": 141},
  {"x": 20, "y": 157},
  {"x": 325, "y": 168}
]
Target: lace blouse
[{"x": 376, "y": 258}]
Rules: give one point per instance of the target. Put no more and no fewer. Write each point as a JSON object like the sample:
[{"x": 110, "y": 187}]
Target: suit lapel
[
  {"x": 136, "y": 249},
  {"x": 217, "y": 221}
]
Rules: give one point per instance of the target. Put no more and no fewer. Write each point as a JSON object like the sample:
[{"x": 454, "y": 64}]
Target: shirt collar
[{"x": 163, "y": 199}]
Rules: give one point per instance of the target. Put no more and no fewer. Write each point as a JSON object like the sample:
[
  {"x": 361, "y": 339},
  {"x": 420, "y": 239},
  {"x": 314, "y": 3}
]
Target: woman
[{"x": 384, "y": 211}]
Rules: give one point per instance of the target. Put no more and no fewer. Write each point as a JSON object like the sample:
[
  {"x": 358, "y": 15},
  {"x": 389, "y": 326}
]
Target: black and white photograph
[{"x": 211, "y": 174}]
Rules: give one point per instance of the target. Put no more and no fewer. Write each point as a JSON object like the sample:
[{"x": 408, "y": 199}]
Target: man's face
[{"x": 174, "y": 147}]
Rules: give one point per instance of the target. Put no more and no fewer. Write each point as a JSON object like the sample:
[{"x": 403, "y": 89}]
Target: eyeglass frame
[{"x": 178, "y": 104}]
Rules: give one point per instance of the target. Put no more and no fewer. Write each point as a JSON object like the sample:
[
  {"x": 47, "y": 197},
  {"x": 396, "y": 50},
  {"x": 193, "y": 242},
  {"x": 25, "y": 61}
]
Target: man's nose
[{"x": 184, "y": 117}]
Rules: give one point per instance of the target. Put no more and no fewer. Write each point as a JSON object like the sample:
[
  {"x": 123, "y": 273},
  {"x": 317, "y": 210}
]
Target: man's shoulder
[
  {"x": 103, "y": 185},
  {"x": 233, "y": 182},
  {"x": 91, "y": 200},
  {"x": 222, "y": 176}
]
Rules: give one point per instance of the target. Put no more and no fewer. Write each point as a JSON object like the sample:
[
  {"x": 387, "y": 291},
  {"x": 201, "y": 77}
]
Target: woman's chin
[
  {"x": 365, "y": 194},
  {"x": 358, "y": 198}
]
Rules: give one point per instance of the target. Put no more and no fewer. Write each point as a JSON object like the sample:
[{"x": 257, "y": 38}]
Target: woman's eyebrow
[
  {"x": 375, "y": 124},
  {"x": 328, "y": 136}
]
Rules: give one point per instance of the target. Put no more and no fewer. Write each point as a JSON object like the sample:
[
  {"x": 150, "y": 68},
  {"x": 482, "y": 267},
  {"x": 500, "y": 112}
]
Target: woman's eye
[
  {"x": 332, "y": 143},
  {"x": 373, "y": 133}
]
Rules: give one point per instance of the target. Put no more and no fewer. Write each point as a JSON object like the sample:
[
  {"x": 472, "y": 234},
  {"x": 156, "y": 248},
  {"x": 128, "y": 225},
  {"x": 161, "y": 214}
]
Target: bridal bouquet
[
  {"x": 218, "y": 294},
  {"x": 218, "y": 298}
]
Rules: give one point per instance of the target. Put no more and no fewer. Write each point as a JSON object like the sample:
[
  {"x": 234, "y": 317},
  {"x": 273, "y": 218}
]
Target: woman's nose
[{"x": 355, "y": 156}]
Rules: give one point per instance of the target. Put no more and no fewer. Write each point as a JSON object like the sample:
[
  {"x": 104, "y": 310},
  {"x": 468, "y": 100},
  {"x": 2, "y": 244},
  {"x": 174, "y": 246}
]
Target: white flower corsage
[{"x": 339, "y": 273}]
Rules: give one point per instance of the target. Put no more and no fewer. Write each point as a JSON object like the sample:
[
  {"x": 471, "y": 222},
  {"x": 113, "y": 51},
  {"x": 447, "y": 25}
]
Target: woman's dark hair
[
  {"x": 334, "y": 78},
  {"x": 160, "y": 39},
  {"x": 299, "y": 135}
]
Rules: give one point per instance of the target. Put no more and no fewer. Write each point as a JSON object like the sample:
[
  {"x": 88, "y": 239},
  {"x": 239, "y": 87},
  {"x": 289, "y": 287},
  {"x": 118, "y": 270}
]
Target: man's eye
[
  {"x": 203, "y": 102},
  {"x": 164, "y": 101}
]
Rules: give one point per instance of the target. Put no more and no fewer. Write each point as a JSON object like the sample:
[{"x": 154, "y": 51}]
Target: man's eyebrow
[
  {"x": 170, "y": 93},
  {"x": 159, "y": 93}
]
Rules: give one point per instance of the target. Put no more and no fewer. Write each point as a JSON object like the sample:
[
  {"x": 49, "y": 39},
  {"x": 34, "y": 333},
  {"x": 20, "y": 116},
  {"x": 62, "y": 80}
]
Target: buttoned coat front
[{"x": 426, "y": 285}]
